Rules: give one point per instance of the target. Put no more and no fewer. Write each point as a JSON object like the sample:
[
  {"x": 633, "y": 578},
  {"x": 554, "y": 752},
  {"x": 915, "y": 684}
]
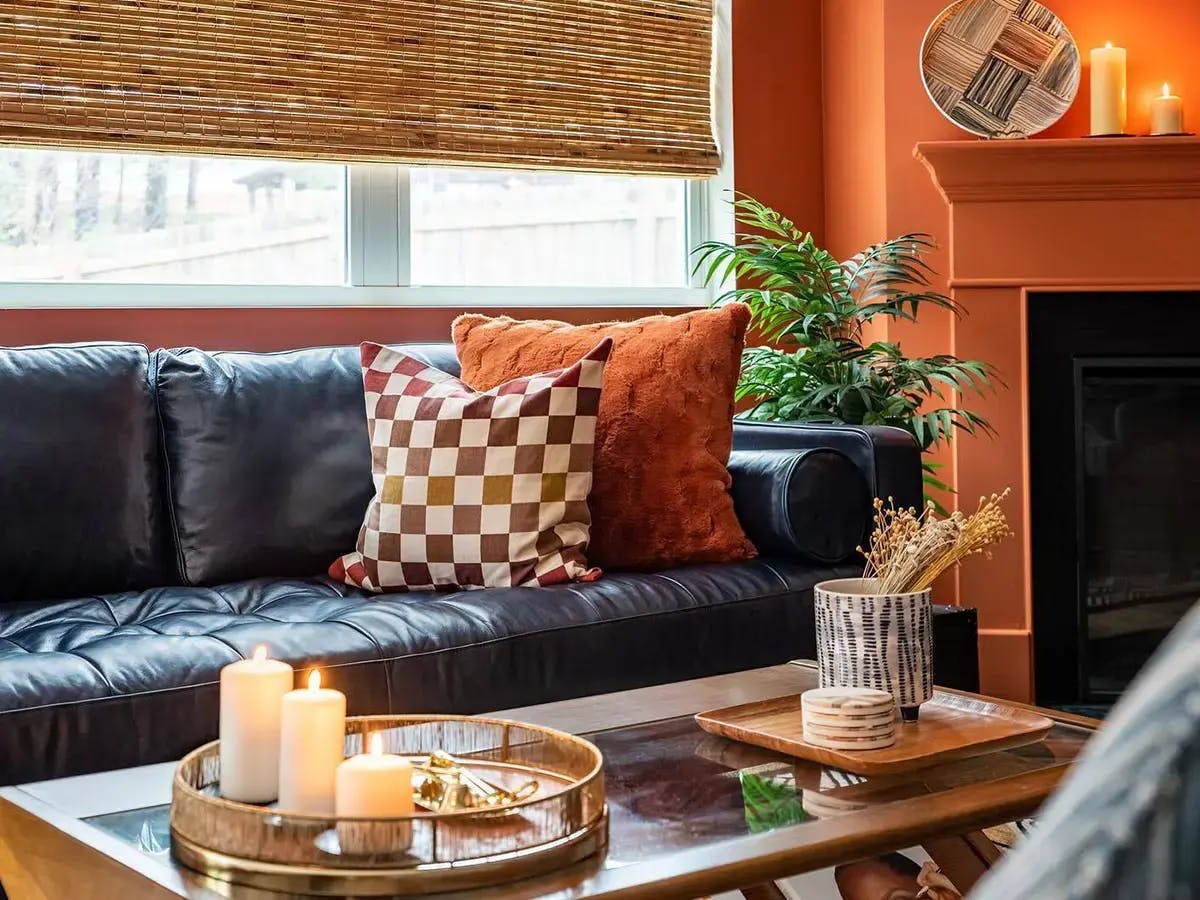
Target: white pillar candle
[
  {"x": 1166, "y": 114},
  {"x": 251, "y": 697},
  {"x": 374, "y": 785},
  {"x": 1108, "y": 90},
  {"x": 312, "y": 740}
]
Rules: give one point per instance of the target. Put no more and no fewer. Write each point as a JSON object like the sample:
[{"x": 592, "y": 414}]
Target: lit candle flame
[
  {"x": 1166, "y": 89},
  {"x": 1108, "y": 45},
  {"x": 314, "y": 680},
  {"x": 376, "y": 745},
  {"x": 260, "y": 652}
]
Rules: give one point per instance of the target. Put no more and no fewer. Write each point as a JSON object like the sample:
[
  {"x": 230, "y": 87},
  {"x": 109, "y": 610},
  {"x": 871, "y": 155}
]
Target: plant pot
[{"x": 881, "y": 641}]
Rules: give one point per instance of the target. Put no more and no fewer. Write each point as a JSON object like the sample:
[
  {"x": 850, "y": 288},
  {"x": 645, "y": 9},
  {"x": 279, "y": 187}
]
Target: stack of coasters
[{"x": 847, "y": 718}]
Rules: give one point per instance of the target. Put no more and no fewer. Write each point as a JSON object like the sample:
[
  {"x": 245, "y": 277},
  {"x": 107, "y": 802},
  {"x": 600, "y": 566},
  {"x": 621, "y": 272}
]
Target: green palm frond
[{"x": 813, "y": 307}]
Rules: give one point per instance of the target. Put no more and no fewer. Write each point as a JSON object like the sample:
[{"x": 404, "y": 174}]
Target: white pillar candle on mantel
[
  {"x": 251, "y": 700},
  {"x": 374, "y": 785},
  {"x": 1166, "y": 113},
  {"x": 1108, "y": 90},
  {"x": 312, "y": 740}
]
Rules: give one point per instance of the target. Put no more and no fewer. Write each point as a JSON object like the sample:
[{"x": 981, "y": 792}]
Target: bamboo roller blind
[{"x": 603, "y": 85}]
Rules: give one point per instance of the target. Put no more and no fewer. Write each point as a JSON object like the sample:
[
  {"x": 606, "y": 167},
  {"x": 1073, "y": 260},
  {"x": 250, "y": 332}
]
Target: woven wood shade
[{"x": 603, "y": 85}]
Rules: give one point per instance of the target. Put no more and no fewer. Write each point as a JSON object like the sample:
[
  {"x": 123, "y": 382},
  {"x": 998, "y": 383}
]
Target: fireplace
[
  {"x": 1076, "y": 262},
  {"x": 1114, "y": 434}
]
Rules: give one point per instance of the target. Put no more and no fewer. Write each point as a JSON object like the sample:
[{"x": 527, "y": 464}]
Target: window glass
[
  {"x": 497, "y": 227},
  {"x": 121, "y": 218}
]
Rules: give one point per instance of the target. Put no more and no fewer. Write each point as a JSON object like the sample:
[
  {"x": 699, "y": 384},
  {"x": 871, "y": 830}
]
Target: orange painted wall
[
  {"x": 1160, "y": 36},
  {"x": 263, "y": 329},
  {"x": 876, "y": 111},
  {"x": 855, "y": 131},
  {"x": 777, "y": 102}
]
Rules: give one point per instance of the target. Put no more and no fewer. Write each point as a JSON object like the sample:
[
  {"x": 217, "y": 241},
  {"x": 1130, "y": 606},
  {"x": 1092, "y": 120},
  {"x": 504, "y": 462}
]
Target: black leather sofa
[{"x": 161, "y": 513}]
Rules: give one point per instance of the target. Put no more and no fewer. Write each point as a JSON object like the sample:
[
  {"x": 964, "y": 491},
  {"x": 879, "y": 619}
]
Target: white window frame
[{"x": 378, "y": 265}]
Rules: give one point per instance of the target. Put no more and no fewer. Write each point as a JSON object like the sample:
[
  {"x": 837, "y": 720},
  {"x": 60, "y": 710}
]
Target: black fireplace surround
[{"x": 1114, "y": 409}]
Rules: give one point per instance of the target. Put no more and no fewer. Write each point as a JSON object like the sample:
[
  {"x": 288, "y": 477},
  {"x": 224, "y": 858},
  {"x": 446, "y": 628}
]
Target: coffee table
[{"x": 680, "y": 826}]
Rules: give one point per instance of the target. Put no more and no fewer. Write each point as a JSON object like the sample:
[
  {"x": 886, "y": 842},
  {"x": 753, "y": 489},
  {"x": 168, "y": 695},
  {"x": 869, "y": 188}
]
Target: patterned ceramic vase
[{"x": 882, "y": 641}]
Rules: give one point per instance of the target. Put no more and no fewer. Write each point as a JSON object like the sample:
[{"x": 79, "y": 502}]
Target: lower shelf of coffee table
[{"x": 950, "y": 727}]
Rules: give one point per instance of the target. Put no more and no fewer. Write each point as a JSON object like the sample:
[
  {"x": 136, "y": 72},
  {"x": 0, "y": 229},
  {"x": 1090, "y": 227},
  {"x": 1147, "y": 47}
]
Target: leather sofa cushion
[
  {"x": 79, "y": 472},
  {"x": 268, "y": 463},
  {"x": 267, "y": 456},
  {"x": 812, "y": 502},
  {"x": 889, "y": 458},
  {"x": 127, "y": 679}
]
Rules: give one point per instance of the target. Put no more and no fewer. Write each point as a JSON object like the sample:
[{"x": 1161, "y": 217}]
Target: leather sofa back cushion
[
  {"x": 268, "y": 458},
  {"x": 268, "y": 462},
  {"x": 660, "y": 491},
  {"x": 80, "y": 503}
]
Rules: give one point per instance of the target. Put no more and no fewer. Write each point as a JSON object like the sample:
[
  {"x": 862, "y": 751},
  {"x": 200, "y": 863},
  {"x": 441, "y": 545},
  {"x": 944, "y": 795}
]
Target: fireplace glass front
[
  {"x": 1138, "y": 470},
  {"x": 1114, "y": 477}
]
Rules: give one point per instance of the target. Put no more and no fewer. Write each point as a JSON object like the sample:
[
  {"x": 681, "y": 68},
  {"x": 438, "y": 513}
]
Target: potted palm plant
[{"x": 814, "y": 311}]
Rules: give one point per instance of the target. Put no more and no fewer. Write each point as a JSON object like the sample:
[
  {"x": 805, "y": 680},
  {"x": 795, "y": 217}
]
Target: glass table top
[{"x": 672, "y": 787}]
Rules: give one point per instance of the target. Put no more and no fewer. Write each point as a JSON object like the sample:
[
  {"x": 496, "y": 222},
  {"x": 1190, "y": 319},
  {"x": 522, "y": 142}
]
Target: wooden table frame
[{"x": 47, "y": 852}]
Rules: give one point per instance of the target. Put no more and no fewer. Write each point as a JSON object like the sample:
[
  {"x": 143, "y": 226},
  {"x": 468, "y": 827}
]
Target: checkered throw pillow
[{"x": 475, "y": 489}]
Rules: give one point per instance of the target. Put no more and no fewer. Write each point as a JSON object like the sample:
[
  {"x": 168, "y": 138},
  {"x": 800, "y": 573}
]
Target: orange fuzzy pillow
[{"x": 660, "y": 489}]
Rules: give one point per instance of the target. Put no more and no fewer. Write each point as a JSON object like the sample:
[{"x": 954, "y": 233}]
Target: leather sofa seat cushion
[
  {"x": 79, "y": 472},
  {"x": 127, "y": 679}
]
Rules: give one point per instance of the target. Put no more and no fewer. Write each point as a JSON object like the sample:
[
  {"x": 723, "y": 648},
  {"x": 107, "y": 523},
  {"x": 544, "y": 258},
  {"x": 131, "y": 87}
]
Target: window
[
  {"x": 547, "y": 228},
  {"x": 156, "y": 219},
  {"x": 81, "y": 218},
  {"x": 576, "y": 90}
]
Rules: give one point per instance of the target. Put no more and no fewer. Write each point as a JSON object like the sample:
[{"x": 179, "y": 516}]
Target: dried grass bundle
[{"x": 909, "y": 551}]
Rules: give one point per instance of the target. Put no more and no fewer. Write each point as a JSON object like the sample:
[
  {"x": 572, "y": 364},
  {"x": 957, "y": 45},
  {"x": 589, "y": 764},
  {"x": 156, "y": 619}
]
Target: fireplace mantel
[
  {"x": 1075, "y": 169},
  {"x": 1027, "y": 218},
  {"x": 1103, "y": 213}
]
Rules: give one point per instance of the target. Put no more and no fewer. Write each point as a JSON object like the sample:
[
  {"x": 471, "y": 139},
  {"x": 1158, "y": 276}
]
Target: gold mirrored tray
[{"x": 534, "y": 831}]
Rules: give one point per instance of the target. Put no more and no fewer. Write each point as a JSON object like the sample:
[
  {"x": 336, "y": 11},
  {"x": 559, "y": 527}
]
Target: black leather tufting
[{"x": 125, "y": 679}]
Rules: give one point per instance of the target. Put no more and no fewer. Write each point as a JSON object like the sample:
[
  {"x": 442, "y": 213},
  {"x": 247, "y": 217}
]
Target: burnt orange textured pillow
[{"x": 660, "y": 489}]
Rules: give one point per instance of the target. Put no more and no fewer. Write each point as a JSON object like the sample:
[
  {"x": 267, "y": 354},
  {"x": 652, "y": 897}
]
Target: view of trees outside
[
  {"x": 547, "y": 228},
  {"x": 154, "y": 219},
  {"x": 115, "y": 217}
]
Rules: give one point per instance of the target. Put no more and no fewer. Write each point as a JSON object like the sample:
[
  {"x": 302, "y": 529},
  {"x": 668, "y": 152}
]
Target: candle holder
[{"x": 559, "y": 821}]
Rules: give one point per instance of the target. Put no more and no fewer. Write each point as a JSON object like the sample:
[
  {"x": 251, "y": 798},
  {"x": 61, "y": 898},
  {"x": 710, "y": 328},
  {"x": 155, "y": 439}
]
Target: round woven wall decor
[{"x": 1000, "y": 68}]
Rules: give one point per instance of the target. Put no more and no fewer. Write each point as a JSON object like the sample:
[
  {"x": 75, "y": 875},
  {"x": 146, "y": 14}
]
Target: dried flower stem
[{"x": 908, "y": 552}]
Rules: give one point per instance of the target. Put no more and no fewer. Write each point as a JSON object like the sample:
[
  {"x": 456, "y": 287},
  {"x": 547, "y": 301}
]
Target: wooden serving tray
[{"x": 950, "y": 727}]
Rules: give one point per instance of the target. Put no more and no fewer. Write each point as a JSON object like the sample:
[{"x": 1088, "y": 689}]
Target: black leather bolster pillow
[{"x": 812, "y": 502}]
